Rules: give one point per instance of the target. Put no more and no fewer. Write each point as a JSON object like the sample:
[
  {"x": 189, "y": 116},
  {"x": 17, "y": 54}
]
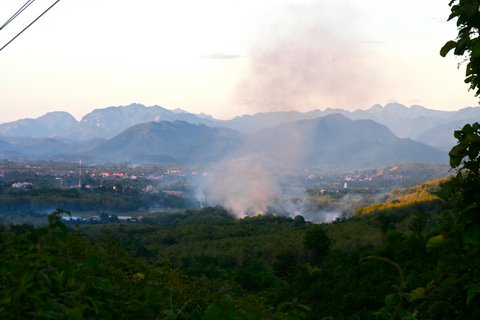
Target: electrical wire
[
  {"x": 16, "y": 14},
  {"x": 18, "y": 34}
]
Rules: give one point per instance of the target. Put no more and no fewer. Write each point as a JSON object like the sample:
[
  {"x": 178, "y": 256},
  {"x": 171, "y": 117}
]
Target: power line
[
  {"x": 16, "y": 14},
  {"x": 18, "y": 34}
]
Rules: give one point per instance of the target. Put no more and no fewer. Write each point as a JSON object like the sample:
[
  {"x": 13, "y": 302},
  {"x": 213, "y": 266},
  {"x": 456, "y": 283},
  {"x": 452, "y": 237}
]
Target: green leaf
[
  {"x": 469, "y": 69},
  {"x": 6, "y": 300},
  {"x": 456, "y": 154},
  {"x": 454, "y": 10},
  {"x": 457, "y": 134},
  {"x": 472, "y": 138},
  {"x": 475, "y": 50},
  {"x": 217, "y": 311},
  {"x": 472, "y": 291},
  {"x": 436, "y": 242},
  {"x": 458, "y": 150},
  {"x": 417, "y": 294},
  {"x": 405, "y": 315},
  {"x": 74, "y": 313},
  {"x": 467, "y": 128},
  {"x": 472, "y": 236},
  {"x": 447, "y": 47},
  {"x": 390, "y": 301}
]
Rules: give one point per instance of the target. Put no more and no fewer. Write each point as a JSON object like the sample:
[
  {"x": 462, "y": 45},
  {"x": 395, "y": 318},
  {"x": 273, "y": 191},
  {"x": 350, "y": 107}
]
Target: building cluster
[{"x": 102, "y": 219}]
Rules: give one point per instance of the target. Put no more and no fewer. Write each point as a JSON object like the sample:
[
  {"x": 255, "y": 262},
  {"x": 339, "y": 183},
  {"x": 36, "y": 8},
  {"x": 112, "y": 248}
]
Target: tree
[
  {"x": 457, "y": 276},
  {"x": 299, "y": 221},
  {"x": 465, "y": 155},
  {"x": 318, "y": 242},
  {"x": 467, "y": 43}
]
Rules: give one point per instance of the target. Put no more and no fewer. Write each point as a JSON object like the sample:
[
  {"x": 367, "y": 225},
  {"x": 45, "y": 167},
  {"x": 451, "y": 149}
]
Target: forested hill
[
  {"x": 432, "y": 127},
  {"x": 333, "y": 140},
  {"x": 414, "y": 263}
]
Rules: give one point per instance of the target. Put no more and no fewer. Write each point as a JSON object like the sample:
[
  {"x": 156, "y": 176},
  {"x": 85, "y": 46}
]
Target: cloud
[
  {"x": 372, "y": 41},
  {"x": 221, "y": 56}
]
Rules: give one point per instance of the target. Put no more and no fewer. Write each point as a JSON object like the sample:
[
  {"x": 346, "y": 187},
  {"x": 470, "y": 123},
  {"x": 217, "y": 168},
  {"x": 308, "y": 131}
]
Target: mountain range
[
  {"x": 177, "y": 142},
  {"x": 432, "y": 127},
  {"x": 333, "y": 140},
  {"x": 362, "y": 138},
  {"x": 336, "y": 141},
  {"x": 289, "y": 139}
]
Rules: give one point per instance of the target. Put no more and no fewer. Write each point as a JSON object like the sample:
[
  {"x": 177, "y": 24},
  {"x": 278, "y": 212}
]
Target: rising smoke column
[
  {"x": 297, "y": 61},
  {"x": 242, "y": 184},
  {"x": 247, "y": 182},
  {"x": 306, "y": 59}
]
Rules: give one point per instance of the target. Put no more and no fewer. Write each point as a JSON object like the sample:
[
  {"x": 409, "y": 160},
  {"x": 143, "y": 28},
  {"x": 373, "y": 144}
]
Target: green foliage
[
  {"x": 318, "y": 242},
  {"x": 453, "y": 289},
  {"x": 254, "y": 276},
  {"x": 205, "y": 264},
  {"x": 53, "y": 272},
  {"x": 467, "y": 43},
  {"x": 205, "y": 216},
  {"x": 394, "y": 303},
  {"x": 463, "y": 191},
  {"x": 423, "y": 196},
  {"x": 465, "y": 154},
  {"x": 224, "y": 309},
  {"x": 286, "y": 265},
  {"x": 83, "y": 199},
  {"x": 299, "y": 221}
]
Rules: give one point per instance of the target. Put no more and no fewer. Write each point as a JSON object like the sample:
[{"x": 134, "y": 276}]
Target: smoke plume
[
  {"x": 249, "y": 181},
  {"x": 303, "y": 60},
  {"x": 243, "y": 185}
]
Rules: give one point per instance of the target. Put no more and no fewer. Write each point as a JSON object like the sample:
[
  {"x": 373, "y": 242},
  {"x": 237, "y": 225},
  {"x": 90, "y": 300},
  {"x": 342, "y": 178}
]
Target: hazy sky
[{"x": 226, "y": 57}]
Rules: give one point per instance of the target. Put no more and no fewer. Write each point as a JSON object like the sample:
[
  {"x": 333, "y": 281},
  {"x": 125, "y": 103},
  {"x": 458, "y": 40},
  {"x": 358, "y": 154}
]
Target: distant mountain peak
[
  {"x": 333, "y": 137},
  {"x": 179, "y": 110},
  {"x": 134, "y": 105},
  {"x": 205, "y": 116},
  {"x": 394, "y": 106},
  {"x": 330, "y": 110},
  {"x": 337, "y": 116},
  {"x": 108, "y": 122},
  {"x": 405, "y": 122},
  {"x": 418, "y": 107},
  {"x": 54, "y": 113},
  {"x": 375, "y": 108},
  {"x": 60, "y": 116},
  {"x": 48, "y": 125}
]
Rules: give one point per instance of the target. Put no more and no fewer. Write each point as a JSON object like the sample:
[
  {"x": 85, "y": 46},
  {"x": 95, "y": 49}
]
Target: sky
[{"x": 227, "y": 58}]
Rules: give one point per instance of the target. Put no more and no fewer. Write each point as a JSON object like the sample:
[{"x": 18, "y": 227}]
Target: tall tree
[{"x": 467, "y": 43}]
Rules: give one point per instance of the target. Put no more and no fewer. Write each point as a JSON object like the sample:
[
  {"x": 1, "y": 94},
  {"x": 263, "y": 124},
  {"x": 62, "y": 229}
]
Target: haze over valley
[
  {"x": 251, "y": 164},
  {"x": 418, "y": 123}
]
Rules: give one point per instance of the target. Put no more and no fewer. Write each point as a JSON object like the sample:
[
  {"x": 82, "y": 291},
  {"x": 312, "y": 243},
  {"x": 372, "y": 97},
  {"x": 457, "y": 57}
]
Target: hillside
[
  {"x": 108, "y": 122},
  {"x": 405, "y": 122},
  {"x": 332, "y": 140},
  {"x": 407, "y": 253},
  {"x": 178, "y": 142},
  {"x": 335, "y": 140},
  {"x": 441, "y": 136},
  {"x": 422, "y": 196},
  {"x": 206, "y": 264},
  {"x": 329, "y": 141},
  {"x": 49, "y": 125}
]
